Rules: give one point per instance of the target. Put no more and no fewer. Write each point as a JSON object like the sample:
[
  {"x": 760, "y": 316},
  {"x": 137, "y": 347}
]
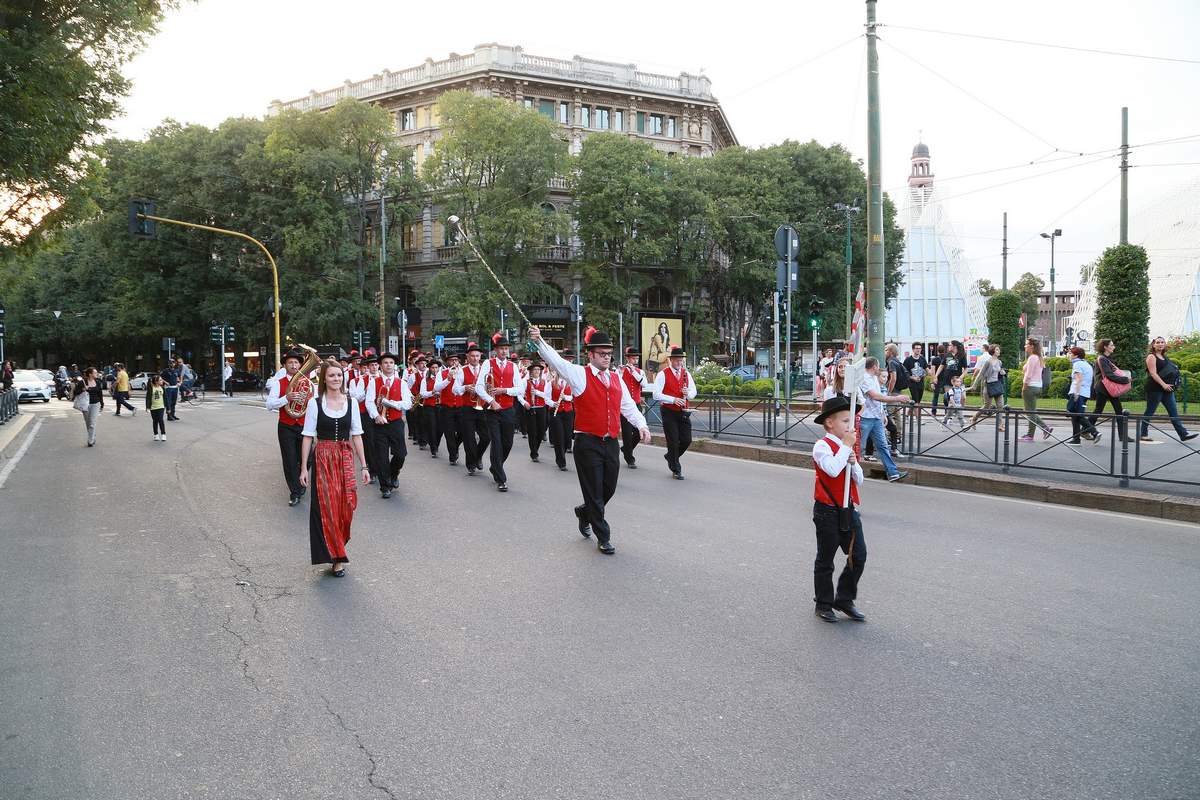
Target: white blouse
[{"x": 310, "y": 416}]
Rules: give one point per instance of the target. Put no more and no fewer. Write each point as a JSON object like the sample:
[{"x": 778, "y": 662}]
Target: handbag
[
  {"x": 995, "y": 388},
  {"x": 82, "y": 401},
  {"x": 1115, "y": 389}
]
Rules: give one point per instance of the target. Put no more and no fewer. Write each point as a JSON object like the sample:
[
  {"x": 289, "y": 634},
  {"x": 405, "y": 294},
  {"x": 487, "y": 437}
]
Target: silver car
[{"x": 31, "y": 386}]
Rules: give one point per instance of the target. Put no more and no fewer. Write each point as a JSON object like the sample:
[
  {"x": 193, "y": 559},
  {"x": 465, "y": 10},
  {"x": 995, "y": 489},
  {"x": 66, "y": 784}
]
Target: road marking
[
  {"x": 12, "y": 464},
  {"x": 1156, "y": 520}
]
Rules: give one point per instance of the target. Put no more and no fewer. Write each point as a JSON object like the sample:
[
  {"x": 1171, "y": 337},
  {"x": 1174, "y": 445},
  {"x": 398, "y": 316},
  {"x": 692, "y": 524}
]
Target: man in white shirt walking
[{"x": 673, "y": 388}]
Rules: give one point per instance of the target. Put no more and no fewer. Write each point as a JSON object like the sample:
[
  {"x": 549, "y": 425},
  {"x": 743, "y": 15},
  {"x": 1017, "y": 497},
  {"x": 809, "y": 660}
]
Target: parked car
[
  {"x": 240, "y": 381},
  {"x": 31, "y": 386},
  {"x": 138, "y": 382},
  {"x": 746, "y": 372}
]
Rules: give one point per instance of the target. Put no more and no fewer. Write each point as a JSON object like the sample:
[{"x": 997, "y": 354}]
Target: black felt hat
[
  {"x": 498, "y": 340},
  {"x": 392, "y": 356},
  {"x": 595, "y": 338},
  {"x": 296, "y": 354},
  {"x": 839, "y": 402},
  {"x": 678, "y": 352},
  {"x": 631, "y": 351},
  {"x": 473, "y": 348}
]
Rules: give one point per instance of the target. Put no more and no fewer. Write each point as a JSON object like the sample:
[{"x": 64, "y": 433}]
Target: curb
[
  {"x": 1125, "y": 501},
  {"x": 11, "y": 430}
]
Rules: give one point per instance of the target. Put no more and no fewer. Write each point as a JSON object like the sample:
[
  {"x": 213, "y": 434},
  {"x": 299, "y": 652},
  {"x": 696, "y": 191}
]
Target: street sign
[
  {"x": 576, "y": 303},
  {"x": 1021, "y": 322},
  {"x": 393, "y": 344},
  {"x": 401, "y": 320},
  {"x": 439, "y": 342},
  {"x": 168, "y": 343},
  {"x": 784, "y": 235}
]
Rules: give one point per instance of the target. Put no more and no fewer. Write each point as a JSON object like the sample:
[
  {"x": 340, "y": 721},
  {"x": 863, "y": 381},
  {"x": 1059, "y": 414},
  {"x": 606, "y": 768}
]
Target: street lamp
[{"x": 1053, "y": 296}]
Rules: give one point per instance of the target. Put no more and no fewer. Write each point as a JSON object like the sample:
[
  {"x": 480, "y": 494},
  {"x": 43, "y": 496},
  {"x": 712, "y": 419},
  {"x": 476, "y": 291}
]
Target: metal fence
[
  {"x": 991, "y": 440},
  {"x": 9, "y": 405}
]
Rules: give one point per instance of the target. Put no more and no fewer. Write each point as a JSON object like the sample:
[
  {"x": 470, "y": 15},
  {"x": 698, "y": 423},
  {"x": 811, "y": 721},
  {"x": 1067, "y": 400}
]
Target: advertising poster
[{"x": 658, "y": 332}]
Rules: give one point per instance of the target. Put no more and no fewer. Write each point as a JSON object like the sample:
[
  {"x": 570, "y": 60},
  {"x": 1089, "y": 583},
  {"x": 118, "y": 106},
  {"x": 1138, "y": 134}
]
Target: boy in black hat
[
  {"x": 506, "y": 385},
  {"x": 838, "y": 527}
]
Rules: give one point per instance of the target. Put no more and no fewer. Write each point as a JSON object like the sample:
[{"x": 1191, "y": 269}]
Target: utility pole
[
  {"x": 875, "y": 297},
  {"x": 849, "y": 212},
  {"x": 1124, "y": 175},
  {"x": 383, "y": 260},
  {"x": 1004, "y": 257}
]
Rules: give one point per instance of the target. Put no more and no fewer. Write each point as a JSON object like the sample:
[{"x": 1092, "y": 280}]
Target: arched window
[
  {"x": 551, "y": 224},
  {"x": 550, "y": 294},
  {"x": 656, "y": 298}
]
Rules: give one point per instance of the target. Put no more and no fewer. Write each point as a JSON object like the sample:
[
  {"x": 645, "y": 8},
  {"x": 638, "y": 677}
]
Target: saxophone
[{"x": 302, "y": 384}]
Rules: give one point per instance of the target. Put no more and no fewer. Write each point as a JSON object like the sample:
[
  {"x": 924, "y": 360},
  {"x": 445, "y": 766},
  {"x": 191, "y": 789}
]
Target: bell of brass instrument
[
  {"x": 489, "y": 386},
  {"x": 379, "y": 406},
  {"x": 302, "y": 384}
]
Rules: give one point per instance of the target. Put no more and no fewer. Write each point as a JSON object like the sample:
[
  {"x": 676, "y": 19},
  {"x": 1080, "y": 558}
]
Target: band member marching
[
  {"x": 601, "y": 399},
  {"x": 534, "y": 399},
  {"x": 416, "y": 415},
  {"x": 523, "y": 368},
  {"x": 289, "y": 395},
  {"x": 498, "y": 385},
  {"x": 332, "y": 421},
  {"x": 673, "y": 388},
  {"x": 387, "y": 400},
  {"x": 635, "y": 381},
  {"x": 450, "y": 406},
  {"x": 473, "y": 422},
  {"x": 367, "y": 375},
  {"x": 431, "y": 397},
  {"x": 561, "y": 420}
]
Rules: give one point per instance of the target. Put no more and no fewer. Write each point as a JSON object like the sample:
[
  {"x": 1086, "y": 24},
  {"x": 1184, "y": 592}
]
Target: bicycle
[{"x": 192, "y": 395}]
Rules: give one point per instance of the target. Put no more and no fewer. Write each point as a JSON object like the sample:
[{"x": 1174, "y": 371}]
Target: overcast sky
[{"x": 773, "y": 73}]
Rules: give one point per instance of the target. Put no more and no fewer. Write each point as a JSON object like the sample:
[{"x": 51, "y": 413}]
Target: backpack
[{"x": 1047, "y": 377}]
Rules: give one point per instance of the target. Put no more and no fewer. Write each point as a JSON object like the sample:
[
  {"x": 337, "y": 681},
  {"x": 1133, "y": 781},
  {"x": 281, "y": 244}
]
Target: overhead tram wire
[
  {"x": 792, "y": 68},
  {"x": 1028, "y": 178},
  {"x": 1064, "y": 214},
  {"x": 1092, "y": 50}
]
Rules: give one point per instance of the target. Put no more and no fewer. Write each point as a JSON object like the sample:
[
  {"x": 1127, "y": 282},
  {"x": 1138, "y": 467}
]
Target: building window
[
  {"x": 602, "y": 118},
  {"x": 671, "y": 130},
  {"x": 564, "y": 113},
  {"x": 656, "y": 124},
  {"x": 405, "y": 297},
  {"x": 546, "y": 107},
  {"x": 449, "y": 236},
  {"x": 618, "y": 120},
  {"x": 408, "y": 120},
  {"x": 656, "y": 298},
  {"x": 585, "y": 116},
  {"x": 550, "y": 214},
  {"x": 528, "y": 103},
  {"x": 641, "y": 122}
]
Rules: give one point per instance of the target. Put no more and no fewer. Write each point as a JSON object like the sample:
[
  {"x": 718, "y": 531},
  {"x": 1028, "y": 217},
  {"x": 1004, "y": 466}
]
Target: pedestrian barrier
[
  {"x": 992, "y": 441},
  {"x": 9, "y": 405}
]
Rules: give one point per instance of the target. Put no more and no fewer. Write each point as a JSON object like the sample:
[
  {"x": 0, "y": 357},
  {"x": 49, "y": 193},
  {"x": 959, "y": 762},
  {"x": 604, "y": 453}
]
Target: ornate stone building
[{"x": 677, "y": 114}]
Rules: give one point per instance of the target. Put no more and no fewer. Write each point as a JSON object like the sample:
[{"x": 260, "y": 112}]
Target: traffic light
[
  {"x": 138, "y": 225},
  {"x": 814, "y": 314}
]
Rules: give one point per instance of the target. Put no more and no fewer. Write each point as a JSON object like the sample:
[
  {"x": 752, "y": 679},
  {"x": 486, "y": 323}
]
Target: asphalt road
[
  {"x": 165, "y": 636},
  {"x": 1169, "y": 466}
]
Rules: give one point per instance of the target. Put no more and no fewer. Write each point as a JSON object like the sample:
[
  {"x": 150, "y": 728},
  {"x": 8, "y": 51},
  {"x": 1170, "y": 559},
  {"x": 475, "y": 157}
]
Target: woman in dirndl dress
[{"x": 332, "y": 421}]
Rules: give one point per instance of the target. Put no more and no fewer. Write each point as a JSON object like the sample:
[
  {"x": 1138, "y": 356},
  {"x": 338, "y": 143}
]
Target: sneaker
[
  {"x": 1096, "y": 438},
  {"x": 1145, "y": 438},
  {"x": 1046, "y": 433},
  {"x": 1026, "y": 439},
  {"x": 899, "y": 476},
  {"x": 1074, "y": 443},
  {"x": 1187, "y": 437}
]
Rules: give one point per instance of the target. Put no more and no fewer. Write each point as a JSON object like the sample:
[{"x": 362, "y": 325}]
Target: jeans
[
  {"x": 1167, "y": 399},
  {"x": 1080, "y": 424},
  {"x": 171, "y": 397},
  {"x": 89, "y": 419},
  {"x": 122, "y": 399},
  {"x": 872, "y": 429}
]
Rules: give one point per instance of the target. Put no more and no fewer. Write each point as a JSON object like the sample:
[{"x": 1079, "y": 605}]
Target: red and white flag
[{"x": 858, "y": 322}]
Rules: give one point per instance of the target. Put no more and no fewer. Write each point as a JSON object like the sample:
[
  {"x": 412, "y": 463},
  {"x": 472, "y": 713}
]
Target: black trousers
[
  {"x": 1102, "y": 398},
  {"x": 390, "y": 451},
  {"x": 449, "y": 427},
  {"x": 468, "y": 433},
  {"x": 830, "y": 539},
  {"x": 535, "y": 428},
  {"x": 521, "y": 420},
  {"x": 289, "y": 450},
  {"x": 597, "y": 467},
  {"x": 477, "y": 424},
  {"x": 500, "y": 426},
  {"x": 630, "y": 438},
  {"x": 368, "y": 440},
  {"x": 432, "y": 425},
  {"x": 171, "y": 398},
  {"x": 416, "y": 422},
  {"x": 677, "y": 428},
  {"x": 562, "y": 429}
]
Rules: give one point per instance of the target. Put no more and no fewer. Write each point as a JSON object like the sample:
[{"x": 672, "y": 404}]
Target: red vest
[
  {"x": 395, "y": 394},
  {"x": 633, "y": 381},
  {"x": 502, "y": 379},
  {"x": 429, "y": 380},
  {"x": 284, "y": 417},
  {"x": 364, "y": 381},
  {"x": 557, "y": 391},
  {"x": 599, "y": 409},
  {"x": 535, "y": 400},
  {"x": 449, "y": 398},
  {"x": 830, "y": 490},
  {"x": 470, "y": 375},
  {"x": 675, "y": 388}
]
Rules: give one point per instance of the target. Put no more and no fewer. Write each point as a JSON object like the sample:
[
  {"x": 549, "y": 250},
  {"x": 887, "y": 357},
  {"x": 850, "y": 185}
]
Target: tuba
[
  {"x": 380, "y": 408},
  {"x": 301, "y": 383},
  {"x": 489, "y": 386}
]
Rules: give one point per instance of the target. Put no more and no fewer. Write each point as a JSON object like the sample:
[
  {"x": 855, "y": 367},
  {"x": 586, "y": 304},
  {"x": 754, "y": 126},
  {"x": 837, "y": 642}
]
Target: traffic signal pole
[{"x": 249, "y": 238}]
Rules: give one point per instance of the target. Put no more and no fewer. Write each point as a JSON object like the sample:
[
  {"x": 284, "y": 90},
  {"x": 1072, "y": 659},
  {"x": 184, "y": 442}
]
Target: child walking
[
  {"x": 834, "y": 458},
  {"x": 954, "y": 401},
  {"x": 157, "y": 405}
]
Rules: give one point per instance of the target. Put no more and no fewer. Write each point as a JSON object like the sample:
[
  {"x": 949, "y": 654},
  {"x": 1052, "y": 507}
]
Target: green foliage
[
  {"x": 1027, "y": 288},
  {"x": 60, "y": 79},
  {"x": 1059, "y": 385},
  {"x": 1003, "y": 315},
  {"x": 985, "y": 287},
  {"x": 1123, "y": 303}
]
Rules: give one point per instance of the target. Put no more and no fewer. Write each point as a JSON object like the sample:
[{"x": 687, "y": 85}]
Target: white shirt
[
  {"x": 460, "y": 386},
  {"x": 227, "y": 372},
  {"x": 275, "y": 400},
  {"x": 403, "y": 404},
  {"x": 872, "y": 408},
  {"x": 310, "y": 416},
  {"x": 543, "y": 393},
  {"x": 660, "y": 381},
  {"x": 516, "y": 390},
  {"x": 833, "y": 465},
  {"x": 439, "y": 382},
  {"x": 640, "y": 374},
  {"x": 576, "y": 377}
]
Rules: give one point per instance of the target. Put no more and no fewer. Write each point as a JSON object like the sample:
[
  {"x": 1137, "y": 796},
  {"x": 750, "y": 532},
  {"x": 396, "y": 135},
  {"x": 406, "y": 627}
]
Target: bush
[
  {"x": 763, "y": 387},
  {"x": 708, "y": 371},
  {"x": 1123, "y": 303},
  {"x": 1058, "y": 386},
  {"x": 1188, "y": 363},
  {"x": 1003, "y": 313}
]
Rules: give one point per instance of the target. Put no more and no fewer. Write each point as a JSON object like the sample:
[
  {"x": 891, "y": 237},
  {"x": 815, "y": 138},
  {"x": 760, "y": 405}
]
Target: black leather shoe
[
  {"x": 470, "y": 472},
  {"x": 850, "y": 611},
  {"x": 826, "y": 614},
  {"x": 503, "y": 487},
  {"x": 432, "y": 454},
  {"x": 585, "y": 527},
  {"x": 387, "y": 492},
  {"x": 606, "y": 548},
  {"x": 293, "y": 501},
  {"x": 533, "y": 459},
  {"x": 631, "y": 464},
  {"x": 562, "y": 467},
  {"x": 453, "y": 461},
  {"x": 677, "y": 475},
  {"x": 340, "y": 572},
  {"x": 303, "y": 490}
]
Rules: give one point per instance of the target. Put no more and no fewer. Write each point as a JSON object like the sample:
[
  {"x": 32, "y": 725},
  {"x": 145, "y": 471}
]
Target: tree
[
  {"x": 492, "y": 168},
  {"x": 1123, "y": 303},
  {"x": 60, "y": 79},
  {"x": 985, "y": 287},
  {"x": 1027, "y": 287},
  {"x": 1003, "y": 317}
]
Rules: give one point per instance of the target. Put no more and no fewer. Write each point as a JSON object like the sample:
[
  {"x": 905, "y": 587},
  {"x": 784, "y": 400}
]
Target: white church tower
[{"x": 938, "y": 300}]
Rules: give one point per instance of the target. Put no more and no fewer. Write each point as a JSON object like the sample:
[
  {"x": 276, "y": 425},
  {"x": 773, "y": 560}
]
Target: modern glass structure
[{"x": 938, "y": 300}]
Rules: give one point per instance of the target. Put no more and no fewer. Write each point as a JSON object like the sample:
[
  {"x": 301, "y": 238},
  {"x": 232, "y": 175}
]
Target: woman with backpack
[
  {"x": 1111, "y": 383},
  {"x": 1032, "y": 388},
  {"x": 1160, "y": 389}
]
